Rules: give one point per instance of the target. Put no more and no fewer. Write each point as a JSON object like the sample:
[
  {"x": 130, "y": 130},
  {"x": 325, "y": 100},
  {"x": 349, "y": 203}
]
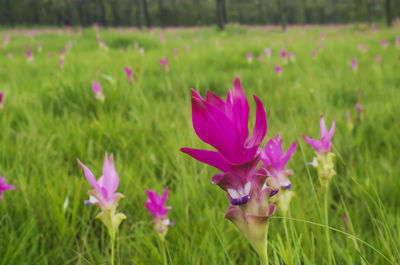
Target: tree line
[{"x": 164, "y": 13}]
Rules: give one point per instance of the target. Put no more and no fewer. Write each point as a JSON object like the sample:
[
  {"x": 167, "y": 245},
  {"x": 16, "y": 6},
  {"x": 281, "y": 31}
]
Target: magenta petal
[
  {"x": 215, "y": 100},
  {"x": 110, "y": 176},
  {"x": 240, "y": 109},
  {"x": 164, "y": 197},
  {"x": 322, "y": 126},
  {"x": 289, "y": 153},
  {"x": 195, "y": 94},
  {"x": 89, "y": 176},
  {"x": 211, "y": 158},
  {"x": 332, "y": 130},
  {"x": 213, "y": 127},
  {"x": 260, "y": 127}
]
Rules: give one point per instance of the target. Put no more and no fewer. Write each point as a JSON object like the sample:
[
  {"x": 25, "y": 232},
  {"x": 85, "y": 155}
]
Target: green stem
[
  {"x": 327, "y": 232},
  {"x": 112, "y": 249},
  {"x": 263, "y": 253},
  {"x": 163, "y": 252}
]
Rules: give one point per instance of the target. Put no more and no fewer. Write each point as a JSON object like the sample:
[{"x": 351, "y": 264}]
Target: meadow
[{"x": 51, "y": 117}]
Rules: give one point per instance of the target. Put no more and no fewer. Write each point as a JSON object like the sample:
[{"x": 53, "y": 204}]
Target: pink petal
[
  {"x": 213, "y": 127},
  {"x": 110, "y": 175},
  {"x": 211, "y": 158},
  {"x": 89, "y": 176},
  {"x": 240, "y": 109},
  {"x": 260, "y": 127}
]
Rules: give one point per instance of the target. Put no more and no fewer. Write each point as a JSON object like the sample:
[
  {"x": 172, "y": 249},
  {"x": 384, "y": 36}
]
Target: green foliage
[{"x": 51, "y": 117}]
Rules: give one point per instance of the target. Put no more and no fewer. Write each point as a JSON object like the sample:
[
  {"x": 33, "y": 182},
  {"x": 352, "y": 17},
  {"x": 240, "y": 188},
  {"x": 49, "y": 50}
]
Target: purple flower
[
  {"x": 176, "y": 52},
  {"x": 129, "y": 74},
  {"x": 325, "y": 144},
  {"x": 4, "y": 186},
  {"x": 384, "y": 43},
  {"x": 164, "y": 63},
  {"x": 104, "y": 189},
  {"x": 275, "y": 161}
]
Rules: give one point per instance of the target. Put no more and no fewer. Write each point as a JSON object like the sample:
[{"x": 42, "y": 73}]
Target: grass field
[{"x": 51, "y": 117}]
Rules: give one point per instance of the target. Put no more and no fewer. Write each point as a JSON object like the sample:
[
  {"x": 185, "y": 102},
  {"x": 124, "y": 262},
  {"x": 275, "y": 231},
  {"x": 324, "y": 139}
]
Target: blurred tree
[
  {"x": 388, "y": 13},
  {"x": 146, "y": 13}
]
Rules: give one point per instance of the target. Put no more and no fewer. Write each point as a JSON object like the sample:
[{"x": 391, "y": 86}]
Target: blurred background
[{"x": 164, "y": 13}]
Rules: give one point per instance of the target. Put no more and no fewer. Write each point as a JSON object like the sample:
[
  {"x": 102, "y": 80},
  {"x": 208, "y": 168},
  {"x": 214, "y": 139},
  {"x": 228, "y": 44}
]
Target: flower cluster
[{"x": 224, "y": 126}]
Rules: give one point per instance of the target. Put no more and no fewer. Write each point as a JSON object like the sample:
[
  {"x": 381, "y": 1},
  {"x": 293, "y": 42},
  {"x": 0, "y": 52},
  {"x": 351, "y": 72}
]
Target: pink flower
[
  {"x": 95, "y": 25},
  {"x": 162, "y": 38},
  {"x": 362, "y": 47},
  {"x": 325, "y": 144},
  {"x": 267, "y": 52},
  {"x": 249, "y": 57},
  {"x": 278, "y": 70},
  {"x": 313, "y": 53},
  {"x": 275, "y": 161},
  {"x": 4, "y": 186},
  {"x": 104, "y": 190},
  {"x": 224, "y": 125},
  {"x": 67, "y": 27},
  {"x": 1, "y": 100},
  {"x": 260, "y": 58},
  {"x": 164, "y": 63},
  {"x": 9, "y": 55},
  {"x": 320, "y": 47},
  {"x": 136, "y": 44},
  {"x": 61, "y": 63},
  {"x": 29, "y": 55},
  {"x": 322, "y": 36},
  {"x": 97, "y": 91},
  {"x": 129, "y": 74},
  {"x": 384, "y": 43},
  {"x": 291, "y": 56},
  {"x": 358, "y": 108},
  {"x": 283, "y": 54},
  {"x": 378, "y": 59},
  {"x": 397, "y": 41},
  {"x": 80, "y": 30},
  {"x": 353, "y": 64},
  {"x": 156, "y": 206},
  {"x": 176, "y": 52},
  {"x": 6, "y": 39},
  {"x": 50, "y": 54},
  {"x": 141, "y": 50}
]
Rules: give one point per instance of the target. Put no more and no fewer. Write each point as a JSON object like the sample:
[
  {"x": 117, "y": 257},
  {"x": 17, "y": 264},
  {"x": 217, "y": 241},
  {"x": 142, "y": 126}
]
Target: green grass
[{"x": 51, "y": 117}]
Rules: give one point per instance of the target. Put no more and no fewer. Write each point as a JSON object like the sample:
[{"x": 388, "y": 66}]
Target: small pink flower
[
  {"x": 322, "y": 36},
  {"x": 164, "y": 63},
  {"x": 353, "y": 64},
  {"x": 358, "y": 108},
  {"x": 80, "y": 30},
  {"x": 291, "y": 56},
  {"x": 136, "y": 44},
  {"x": 384, "y": 43},
  {"x": 362, "y": 47},
  {"x": 397, "y": 41},
  {"x": 278, "y": 70},
  {"x": 325, "y": 144},
  {"x": 95, "y": 25},
  {"x": 4, "y": 186},
  {"x": 9, "y": 55},
  {"x": 260, "y": 58},
  {"x": 267, "y": 52},
  {"x": 162, "y": 38},
  {"x": 176, "y": 52},
  {"x": 67, "y": 27},
  {"x": 29, "y": 55},
  {"x": 155, "y": 204},
  {"x": 1, "y": 100},
  {"x": 50, "y": 54},
  {"x": 378, "y": 59},
  {"x": 283, "y": 54},
  {"x": 6, "y": 39},
  {"x": 97, "y": 91},
  {"x": 129, "y": 74},
  {"x": 61, "y": 62},
  {"x": 141, "y": 51},
  {"x": 320, "y": 47},
  {"x": 313, "y": 53},
  {"x": 249, "y": 57}
]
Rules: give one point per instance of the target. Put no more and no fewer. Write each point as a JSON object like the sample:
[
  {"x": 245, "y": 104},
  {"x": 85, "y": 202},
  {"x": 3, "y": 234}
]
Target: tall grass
[{"x": 51, "y": 117}]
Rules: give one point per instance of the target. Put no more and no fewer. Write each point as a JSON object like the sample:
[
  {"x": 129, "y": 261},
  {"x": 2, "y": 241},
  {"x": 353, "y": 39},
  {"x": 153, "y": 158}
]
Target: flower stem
[
  {"x": 163, "y": 252},
  {"x": 264, "y": 252},
  {"x": 327, "y": 234},
  {"x": 112, "y": 249}
]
